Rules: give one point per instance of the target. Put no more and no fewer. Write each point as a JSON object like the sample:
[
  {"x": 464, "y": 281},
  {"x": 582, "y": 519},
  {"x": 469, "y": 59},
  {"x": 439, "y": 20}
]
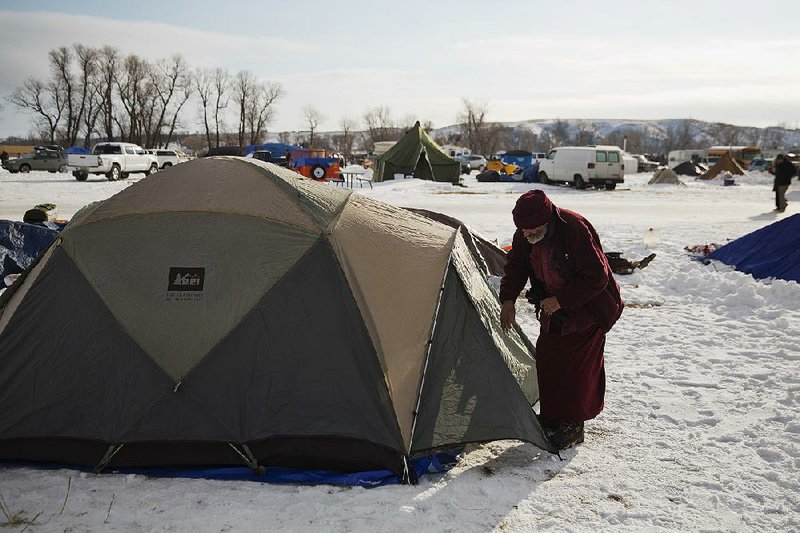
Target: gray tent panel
[
  {"x": 301, "y": 363},
  {"x": 468, "y": 394},
  {"x": 84, "y": 349}
]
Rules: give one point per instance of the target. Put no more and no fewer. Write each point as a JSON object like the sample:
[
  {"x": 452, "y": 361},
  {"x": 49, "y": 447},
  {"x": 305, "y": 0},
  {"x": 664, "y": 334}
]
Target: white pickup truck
[{"x": 114, "y": 159}]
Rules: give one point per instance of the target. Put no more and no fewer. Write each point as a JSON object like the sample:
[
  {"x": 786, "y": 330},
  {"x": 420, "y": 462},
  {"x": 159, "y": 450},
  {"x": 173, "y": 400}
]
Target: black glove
[{"x": 535, "y": 295}]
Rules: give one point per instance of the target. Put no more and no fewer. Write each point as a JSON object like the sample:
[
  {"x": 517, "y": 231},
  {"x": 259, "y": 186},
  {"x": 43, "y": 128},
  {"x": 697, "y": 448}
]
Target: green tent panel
[{"x": 418, "y": 155}]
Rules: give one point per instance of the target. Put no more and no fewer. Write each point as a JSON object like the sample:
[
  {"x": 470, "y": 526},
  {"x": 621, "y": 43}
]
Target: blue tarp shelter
[
  {"x": 771, "y": 252},
  {"x": 521, "y": 158},
  {"x": 276, "y": 149}
]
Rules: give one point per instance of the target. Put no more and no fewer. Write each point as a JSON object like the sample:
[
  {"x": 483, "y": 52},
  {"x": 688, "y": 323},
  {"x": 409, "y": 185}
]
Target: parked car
[
  {"x": 584, "y": 165},
  {"x": 463, "y": 161},
  {"x": 165, "y": 158},
  {"x": 643, "y": 164},
  {"x": 267, "y": 157},
  {"x": 48, "y": 160},
  {"x": 114, "y": 159},
  {"x": 762, "y": 165},
  {"x": 476, "y": 162}
]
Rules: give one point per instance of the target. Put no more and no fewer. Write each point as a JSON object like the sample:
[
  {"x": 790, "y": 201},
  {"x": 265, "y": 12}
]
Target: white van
[{"x": 600, "y": 166}]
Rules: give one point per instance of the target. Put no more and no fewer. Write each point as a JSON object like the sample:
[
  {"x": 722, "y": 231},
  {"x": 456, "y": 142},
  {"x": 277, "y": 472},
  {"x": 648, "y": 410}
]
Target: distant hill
[{"x": 647, "y": 136}]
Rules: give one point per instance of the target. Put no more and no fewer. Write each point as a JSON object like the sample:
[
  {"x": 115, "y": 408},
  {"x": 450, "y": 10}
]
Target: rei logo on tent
[{"x": 186, "y": 279}]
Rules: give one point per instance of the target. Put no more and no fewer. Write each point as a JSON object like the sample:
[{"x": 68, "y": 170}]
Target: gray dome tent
[
  {"x": 228, "y": 312},
  {"x": 665, "y": 176}
]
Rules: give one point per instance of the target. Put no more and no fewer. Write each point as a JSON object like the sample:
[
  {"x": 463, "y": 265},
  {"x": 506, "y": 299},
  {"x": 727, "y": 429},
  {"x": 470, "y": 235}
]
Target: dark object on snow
[
  {"x": 40, "y": 213},
  {"x": 488, "y": 176},
  {"x": 689, "y": 168},
  {"x": 619, "y": 265},
  {"x": 700, "y": 251},
  {"x": 771, "y": 252}
]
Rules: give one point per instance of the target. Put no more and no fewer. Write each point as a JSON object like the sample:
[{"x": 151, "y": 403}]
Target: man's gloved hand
[{"x": 507, "y": 314}]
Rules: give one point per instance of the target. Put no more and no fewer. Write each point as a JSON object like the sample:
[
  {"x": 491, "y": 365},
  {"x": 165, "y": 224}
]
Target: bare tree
[
  {"x": 220, "y": 83},
  {"x": 344, "y": 143},
  {"x": 286, "y": 137},
  {"x": 133, "y": 92},
  {"x": 62, "y": 78},
  {"x": 313, "y": 119},
  {"x": 84, "y": 111},
  {"x": 243, "y": 88},
  {"x": 260, "y": 110},
  {"x": 108, "y": 64},
  {"x": 203, "y": 82},
  {"x": 169, "y": 81},
  {"x": 585, "y": 133},
  {"x": 560, "y": 132},
  {"x": 380, "y": 126},
  {"x": 479, "y": 134},
  {"x": 185, "y": 86},
  {"x": 44, "y": 101}
]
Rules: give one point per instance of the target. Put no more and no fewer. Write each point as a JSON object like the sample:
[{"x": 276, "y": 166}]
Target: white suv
[
  {"x": 476, "y": 162},
  {"x": 166, "y": 158}
]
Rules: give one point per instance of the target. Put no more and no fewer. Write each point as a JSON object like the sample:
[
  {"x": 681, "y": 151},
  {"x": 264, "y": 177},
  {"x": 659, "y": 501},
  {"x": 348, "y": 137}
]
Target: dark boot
[{"x": 567, "y": 435}]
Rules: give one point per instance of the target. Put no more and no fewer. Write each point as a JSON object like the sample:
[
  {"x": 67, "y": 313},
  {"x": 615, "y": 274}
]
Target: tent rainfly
[
  {"x": 418, "y": 155},
  {"x": 770, "y": 252},
  {"x": 228, "y": 312},
  {"x": 725, "y": 164},
  {"x": 665, "y": 176}
]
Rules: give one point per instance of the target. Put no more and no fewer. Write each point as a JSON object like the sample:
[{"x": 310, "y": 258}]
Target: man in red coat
[{"x": 579, "y": 302}]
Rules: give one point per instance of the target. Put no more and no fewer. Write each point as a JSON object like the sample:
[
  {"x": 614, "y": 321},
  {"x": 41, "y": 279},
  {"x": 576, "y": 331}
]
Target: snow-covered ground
[{"x": 701, "y": 429}]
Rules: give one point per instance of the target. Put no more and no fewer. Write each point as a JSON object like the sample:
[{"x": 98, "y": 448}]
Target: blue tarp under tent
[
  {"x": 771, "y": 252},
  {"x": 21, "y": 244}
]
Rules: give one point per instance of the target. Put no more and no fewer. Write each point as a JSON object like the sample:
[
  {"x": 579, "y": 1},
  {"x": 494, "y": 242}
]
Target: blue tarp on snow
[
  {"x": 771, "y": 252},
  {"x": 429, "y": 464},
  {"x": 21, "y": 244}
]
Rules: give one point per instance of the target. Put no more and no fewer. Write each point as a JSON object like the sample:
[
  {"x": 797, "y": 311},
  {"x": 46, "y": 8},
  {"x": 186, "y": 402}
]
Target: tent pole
[
  {"x": 110, "y": 453},
  {"x": 428, "y": 354}
]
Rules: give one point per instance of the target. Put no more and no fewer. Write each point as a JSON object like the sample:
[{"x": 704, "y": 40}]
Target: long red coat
[{"x": 569, "y": 262}]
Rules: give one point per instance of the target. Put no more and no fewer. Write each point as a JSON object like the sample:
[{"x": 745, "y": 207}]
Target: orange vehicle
[
  {"x": 742, "y": 154},
  {"x": 315, "y": 164}
]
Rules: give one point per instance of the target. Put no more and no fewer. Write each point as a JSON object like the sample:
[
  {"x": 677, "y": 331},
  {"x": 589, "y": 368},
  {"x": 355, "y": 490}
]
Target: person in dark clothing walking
[
  {"x": 784, "y": 172},
  {"x": 578, "y": 300}
]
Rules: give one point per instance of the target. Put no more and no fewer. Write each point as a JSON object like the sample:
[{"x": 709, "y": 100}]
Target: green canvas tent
[
  {"x": 418, "y": 155},
  {"x": 227, "y": 311}
]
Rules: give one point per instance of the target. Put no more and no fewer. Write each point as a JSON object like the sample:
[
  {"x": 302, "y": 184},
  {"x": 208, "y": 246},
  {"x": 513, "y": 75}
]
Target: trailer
[{"x": 315, "y": 164}]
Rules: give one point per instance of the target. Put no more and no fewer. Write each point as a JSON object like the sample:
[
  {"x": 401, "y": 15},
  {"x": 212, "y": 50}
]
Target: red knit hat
[{"x": 532, "y": 210}]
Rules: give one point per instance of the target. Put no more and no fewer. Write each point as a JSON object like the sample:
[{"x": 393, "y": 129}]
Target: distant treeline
[{"x": 101, "y": 94}]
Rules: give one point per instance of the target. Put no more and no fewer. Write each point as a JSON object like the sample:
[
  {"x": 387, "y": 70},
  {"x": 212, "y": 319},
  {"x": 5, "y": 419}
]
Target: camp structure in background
[
  {"x": 665, "y": 176},
  {"x": 416, "y": 154},
  {"x": 253, "y": 318},
  {"x": 690, "y": 168},
  {"x": 725, "y": 164},
  {"x": 770, "y": 252}
]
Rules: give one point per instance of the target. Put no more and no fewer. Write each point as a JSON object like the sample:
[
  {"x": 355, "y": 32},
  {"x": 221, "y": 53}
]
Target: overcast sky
[{"x": 730, "y": 61}]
